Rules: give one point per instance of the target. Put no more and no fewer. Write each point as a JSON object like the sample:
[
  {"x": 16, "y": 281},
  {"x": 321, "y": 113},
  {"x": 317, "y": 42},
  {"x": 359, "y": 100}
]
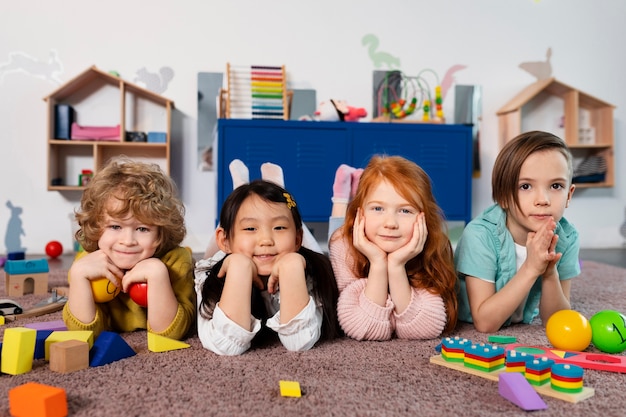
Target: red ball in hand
[
  {"x": 138, "y": 292},
  {"x": 54, "y": 249}
]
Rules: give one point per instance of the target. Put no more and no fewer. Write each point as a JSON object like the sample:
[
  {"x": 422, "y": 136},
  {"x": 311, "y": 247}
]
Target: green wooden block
[{"x": 494, "y": 338}]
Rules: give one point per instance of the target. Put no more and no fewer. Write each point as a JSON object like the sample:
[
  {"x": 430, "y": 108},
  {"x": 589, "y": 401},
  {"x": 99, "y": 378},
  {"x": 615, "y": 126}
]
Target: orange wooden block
[
  {"x": 37, "y": 400},
  {"x": 69, "y": 356}
]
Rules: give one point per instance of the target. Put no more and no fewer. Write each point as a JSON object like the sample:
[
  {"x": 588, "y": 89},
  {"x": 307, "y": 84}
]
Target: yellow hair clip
[{"x": 291, "y": 203}]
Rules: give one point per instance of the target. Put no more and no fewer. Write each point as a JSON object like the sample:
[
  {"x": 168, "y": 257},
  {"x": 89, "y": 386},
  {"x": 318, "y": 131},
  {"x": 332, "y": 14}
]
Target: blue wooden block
[
  {"x": 22, "y": 266},
  {"x": 40, "y": 343},
  {"x": 109, "y": 347}
]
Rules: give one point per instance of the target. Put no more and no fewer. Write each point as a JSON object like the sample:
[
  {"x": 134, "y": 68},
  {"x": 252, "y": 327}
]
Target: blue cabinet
[{"x": 310, "y": 152}]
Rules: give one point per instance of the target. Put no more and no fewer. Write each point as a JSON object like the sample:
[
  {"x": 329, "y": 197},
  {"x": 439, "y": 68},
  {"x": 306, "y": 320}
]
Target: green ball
[{"x": 608, "y": 331}]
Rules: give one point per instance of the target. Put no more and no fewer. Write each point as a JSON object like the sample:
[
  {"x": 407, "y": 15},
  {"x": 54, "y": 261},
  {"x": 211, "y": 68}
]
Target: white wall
[{"x": 320, "y": 45}]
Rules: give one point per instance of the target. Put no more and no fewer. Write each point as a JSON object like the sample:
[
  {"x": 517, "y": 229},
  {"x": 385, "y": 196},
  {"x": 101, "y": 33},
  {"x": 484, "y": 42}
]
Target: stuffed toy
[{"x": 336, "y": 110}]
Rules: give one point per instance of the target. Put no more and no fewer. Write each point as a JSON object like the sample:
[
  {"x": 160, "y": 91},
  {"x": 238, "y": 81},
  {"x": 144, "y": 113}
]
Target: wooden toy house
[{"x": 26, "y": 277}]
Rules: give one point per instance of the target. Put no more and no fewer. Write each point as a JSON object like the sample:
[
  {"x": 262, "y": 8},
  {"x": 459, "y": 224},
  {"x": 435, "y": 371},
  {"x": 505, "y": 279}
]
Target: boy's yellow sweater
[{"x": 122, "y": 314}]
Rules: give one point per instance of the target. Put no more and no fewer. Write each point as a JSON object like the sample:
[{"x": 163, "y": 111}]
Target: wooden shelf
[
  {"x": 123, "y": 103},
  {"x": 598, "y": 112}
]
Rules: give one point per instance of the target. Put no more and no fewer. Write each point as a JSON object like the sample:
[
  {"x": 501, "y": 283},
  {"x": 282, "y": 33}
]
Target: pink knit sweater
[{"x": 361, "y": 319}]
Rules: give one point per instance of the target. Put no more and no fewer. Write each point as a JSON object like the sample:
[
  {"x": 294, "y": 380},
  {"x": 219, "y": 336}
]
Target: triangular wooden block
[
  {"x": 158, "y": 343},
  {"x": 109, "y": 347},
  {"x": 514, "y": 387}
]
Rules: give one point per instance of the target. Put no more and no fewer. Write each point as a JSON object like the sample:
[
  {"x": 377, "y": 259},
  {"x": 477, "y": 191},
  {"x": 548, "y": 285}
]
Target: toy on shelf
[
  {"x": 336, "y": 111},
  {"x": 568, "y": 330},
  {"x": 399, "y": 95},
  {"x": 608, "y": 331},
  {"x": 255, "y": 92}
]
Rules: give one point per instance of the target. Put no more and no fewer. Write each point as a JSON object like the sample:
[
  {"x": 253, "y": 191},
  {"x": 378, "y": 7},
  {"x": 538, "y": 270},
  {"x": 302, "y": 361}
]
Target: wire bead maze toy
[
  {"x": 255, "y": 92},
  {"x": 400, "y": 95}
]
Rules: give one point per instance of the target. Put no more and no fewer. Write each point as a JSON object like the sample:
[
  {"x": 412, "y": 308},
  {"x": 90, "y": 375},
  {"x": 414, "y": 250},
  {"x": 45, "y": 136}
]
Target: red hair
[{"x": 433, "y": 269}]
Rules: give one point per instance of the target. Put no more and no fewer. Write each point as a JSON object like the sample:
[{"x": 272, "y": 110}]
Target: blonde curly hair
[{"x": 138, "y": 189}]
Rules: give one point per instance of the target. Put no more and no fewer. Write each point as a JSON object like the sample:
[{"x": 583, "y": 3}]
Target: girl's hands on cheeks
[
  {"x": 236, "y": 263},
  {"x": 96, "y": 265},
  {"x": 362, "y": 243},
  {"x": 414, "y": 246},
  {"x": 285, "y": 265}
]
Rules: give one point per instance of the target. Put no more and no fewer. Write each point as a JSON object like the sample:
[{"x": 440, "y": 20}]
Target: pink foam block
[{"x": 515, "y": 388}]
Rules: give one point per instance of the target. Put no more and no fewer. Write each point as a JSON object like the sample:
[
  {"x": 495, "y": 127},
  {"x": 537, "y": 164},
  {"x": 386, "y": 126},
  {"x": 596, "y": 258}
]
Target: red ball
[
  {"x": 138, "y": 292},
  {"x": 54, "y": 249}
]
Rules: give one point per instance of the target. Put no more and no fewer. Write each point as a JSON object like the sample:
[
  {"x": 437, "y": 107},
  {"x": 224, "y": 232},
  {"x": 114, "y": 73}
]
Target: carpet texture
[{"x": 340, "y": 378}]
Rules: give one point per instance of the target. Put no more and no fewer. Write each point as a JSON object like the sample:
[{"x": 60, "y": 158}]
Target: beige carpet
[{"x": 342, "y": 378}]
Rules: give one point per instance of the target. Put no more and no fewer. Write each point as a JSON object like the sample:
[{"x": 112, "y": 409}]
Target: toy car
[{"x": 8, "y": 307}]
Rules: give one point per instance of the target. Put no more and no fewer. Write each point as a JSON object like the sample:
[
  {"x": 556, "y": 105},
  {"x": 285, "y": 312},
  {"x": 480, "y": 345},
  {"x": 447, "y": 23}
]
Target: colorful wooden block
[
  {"x": 18, "y": 350},
  {"x": 290, "y": 389},
  {"x": 515, "y": 388},
  {"x": 484, "y": 357},
  {"x": 157, "y": 343},
  {"x": 516, "y": 361},
  {"x": 69, "y": 356},
  {"x": 538, "y": 370},
  {"x": 453, "y": 348},
  {"x": 59, "y": 336},
  {"x": 109, "y": 347},
  {"x": 566, "y": 378},
  {"x": 37, "y": 400}
]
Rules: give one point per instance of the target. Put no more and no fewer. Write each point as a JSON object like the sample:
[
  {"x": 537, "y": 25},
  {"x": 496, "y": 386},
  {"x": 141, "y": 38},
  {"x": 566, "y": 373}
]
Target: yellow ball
[
  {"x": 103, "y": 290},
  {"x": 569, "y": 330}
]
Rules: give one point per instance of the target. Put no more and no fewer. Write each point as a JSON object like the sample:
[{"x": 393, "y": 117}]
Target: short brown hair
[
  {"x": 506, "y": 170},
  {"x": 143, "y": 191}
]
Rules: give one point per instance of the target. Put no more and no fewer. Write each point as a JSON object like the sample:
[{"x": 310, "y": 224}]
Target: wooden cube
[{"x": 69, "y": 356}]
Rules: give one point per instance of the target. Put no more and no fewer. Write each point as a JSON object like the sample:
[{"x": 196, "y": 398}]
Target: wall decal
[
  {"x": 448, "y": 79},
  {"x": 379, "y": 58},
  {"x": 15, "y": 231},
  {"x": 155, "y": 82},
  {"x": 22, "y": 62},
  {"x": 541, "y": 70}
]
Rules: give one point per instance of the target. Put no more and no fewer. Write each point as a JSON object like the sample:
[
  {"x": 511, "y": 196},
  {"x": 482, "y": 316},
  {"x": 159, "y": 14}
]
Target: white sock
[
  {"x": 239, "y": 172},
  {"x": 273, "y": 173}
]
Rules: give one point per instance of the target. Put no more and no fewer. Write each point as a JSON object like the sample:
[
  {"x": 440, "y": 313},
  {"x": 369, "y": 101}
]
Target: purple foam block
[
  {"x": 515, "y": 388},
  {"x": 57, "y": 325}
]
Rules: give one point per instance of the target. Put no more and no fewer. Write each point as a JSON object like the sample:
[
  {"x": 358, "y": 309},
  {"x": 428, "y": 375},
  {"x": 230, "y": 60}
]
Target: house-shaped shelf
[
  {"x": 111, "y": 101},
  {"x": 597, "y": 118}
]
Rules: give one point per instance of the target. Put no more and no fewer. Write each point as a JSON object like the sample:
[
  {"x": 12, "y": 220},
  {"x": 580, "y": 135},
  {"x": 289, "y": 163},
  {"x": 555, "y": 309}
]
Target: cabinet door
[
  {"x": 443, "y": 151},
  {"x": 308, "y": 153}
]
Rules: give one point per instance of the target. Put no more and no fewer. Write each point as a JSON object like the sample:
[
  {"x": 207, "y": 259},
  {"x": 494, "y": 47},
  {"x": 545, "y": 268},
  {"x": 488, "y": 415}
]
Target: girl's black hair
[{"x": 317, "y": 265}]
